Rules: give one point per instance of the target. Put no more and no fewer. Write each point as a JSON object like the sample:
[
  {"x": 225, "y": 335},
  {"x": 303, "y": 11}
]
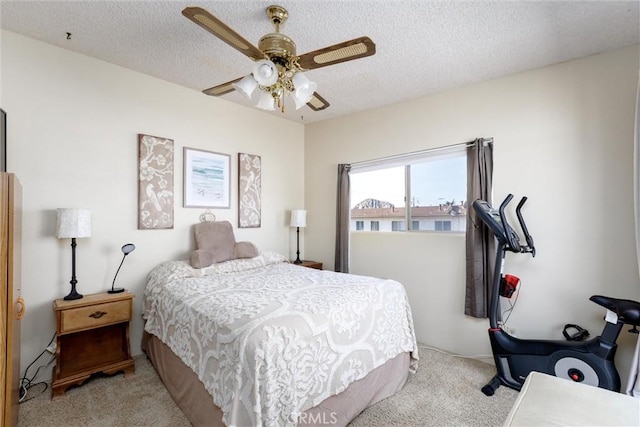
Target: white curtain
[{"x": 633, "y": 386}]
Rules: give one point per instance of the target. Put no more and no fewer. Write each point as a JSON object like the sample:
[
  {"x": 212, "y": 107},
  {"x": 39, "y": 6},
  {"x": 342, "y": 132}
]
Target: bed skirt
[{"x": 197, "y": 404}]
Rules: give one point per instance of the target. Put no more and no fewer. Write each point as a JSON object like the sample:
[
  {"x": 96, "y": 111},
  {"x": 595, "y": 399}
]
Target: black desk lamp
[{"x": 126, "y": 250}]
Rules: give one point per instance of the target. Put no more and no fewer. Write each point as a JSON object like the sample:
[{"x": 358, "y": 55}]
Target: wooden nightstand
[
  {"x": 311, "y": 264},
  {"x": 93, "y": 336}
]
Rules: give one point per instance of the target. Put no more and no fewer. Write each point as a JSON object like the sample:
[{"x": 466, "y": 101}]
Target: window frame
[{"x": 407, "y": 160}]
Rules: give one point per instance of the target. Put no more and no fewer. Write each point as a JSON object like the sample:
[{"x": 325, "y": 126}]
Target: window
[
  {"x": 443, "y": 225},
  {"x": 433, "y": 183},
  {"x": 359, "y": 225},
  {"x": 397, "y": 225}
]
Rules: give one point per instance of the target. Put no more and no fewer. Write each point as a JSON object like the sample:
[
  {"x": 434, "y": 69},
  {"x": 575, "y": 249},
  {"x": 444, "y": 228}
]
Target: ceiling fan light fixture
[
  {"x": 246, "y": 86},
  {"x": 266, "y": 101},
  {"x": 265, "y": 72},
  {"x": 304, "y": 90}
]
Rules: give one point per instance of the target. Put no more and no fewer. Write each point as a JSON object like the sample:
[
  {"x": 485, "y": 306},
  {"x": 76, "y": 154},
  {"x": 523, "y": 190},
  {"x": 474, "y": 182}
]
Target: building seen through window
[{"x": 436, "y": 187}]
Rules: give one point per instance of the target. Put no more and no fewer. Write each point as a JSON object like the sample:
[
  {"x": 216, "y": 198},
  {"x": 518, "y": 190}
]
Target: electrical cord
[
  {"x": 507, "y": 312},
  {"x": 511, "y": 306},
  {"x": 27, "y": 383},
  {"x": 475, "y": 356}
]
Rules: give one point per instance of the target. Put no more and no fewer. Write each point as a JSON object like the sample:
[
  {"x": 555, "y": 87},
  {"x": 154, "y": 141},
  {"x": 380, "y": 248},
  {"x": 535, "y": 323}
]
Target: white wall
[
  {"x": 73, "y": 123},
  {"x": 563, "y": 137}
]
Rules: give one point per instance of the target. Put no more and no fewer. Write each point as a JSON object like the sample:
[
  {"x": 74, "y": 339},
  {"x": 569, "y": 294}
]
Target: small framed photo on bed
[{"x": 207, "y": 179}]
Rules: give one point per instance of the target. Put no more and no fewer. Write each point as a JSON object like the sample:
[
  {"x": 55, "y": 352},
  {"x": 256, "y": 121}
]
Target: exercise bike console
[{"x": 590, "y": 362}]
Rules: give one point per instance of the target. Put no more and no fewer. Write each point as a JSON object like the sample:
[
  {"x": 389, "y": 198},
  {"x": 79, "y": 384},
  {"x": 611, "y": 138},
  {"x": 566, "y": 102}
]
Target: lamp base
[
  {"x": 73, "y": 295},
  {"x": 115, "y": 290},
  {"x": 297, "y": 261}
]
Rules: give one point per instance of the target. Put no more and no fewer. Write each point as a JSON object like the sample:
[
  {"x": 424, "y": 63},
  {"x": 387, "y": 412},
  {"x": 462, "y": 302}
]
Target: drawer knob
[
  {"x": 98, "y": 314},
  {"x": 20, "y": 302}
]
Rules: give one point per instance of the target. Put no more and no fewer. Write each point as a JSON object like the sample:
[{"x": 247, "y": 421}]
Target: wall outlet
[
  {"x": 52, "y": 348},
  {"x": 511, "y": 330}
]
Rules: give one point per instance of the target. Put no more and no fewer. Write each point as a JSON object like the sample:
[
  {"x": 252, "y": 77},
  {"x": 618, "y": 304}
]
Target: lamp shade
[
  {"x": 73, "y": 223},
  {"x": 128, "y": 248},
  {"x": 246, "y": 86},
  {"x": 304, "y": 90},
  {"x": 265, "y": 72},
  {"x": 266, "y": 102},
  {"x": 298, "y": 218}
]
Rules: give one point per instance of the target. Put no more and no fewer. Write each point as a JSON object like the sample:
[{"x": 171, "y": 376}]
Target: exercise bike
[{"x": 589, "y": 362}]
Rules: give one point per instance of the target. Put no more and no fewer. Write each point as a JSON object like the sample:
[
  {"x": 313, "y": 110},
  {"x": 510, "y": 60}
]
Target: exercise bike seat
[{"x": 628, "y": 311}]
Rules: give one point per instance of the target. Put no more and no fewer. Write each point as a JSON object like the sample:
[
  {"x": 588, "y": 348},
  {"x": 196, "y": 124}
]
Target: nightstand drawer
[{"x": 94, "y": 316}]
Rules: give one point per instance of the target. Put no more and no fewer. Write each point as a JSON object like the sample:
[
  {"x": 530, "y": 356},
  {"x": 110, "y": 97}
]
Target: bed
[{"x": 263, "y": 342}]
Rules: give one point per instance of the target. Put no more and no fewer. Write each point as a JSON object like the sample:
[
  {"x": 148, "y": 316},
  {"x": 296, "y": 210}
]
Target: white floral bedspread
[{"x": 269, "y": 339}]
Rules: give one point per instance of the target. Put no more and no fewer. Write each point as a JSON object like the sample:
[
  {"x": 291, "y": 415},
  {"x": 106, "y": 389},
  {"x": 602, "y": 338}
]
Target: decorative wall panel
[
  {"x": 155, "y": 182},
  {"x": 249, "y": 188}
]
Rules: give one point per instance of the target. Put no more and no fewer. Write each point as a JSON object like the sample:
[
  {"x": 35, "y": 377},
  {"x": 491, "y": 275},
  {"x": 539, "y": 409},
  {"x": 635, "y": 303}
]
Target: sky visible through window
[{"x": 433, "y": 183}]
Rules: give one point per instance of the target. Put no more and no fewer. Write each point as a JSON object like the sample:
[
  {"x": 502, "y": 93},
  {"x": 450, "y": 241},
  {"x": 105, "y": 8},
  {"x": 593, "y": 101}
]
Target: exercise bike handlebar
[
  {"x": 497, "y": 222},
  {"x": 512, "y": 242},
  {"x": 530, "y": 245}
]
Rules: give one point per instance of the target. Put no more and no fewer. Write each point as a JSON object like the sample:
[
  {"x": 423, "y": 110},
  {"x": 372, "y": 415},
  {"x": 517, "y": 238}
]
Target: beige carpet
[{"x": 444, "y": 392}]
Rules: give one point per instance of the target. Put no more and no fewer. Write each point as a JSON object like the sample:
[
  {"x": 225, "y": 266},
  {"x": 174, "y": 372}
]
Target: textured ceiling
[{"x": 422, "y": 46}]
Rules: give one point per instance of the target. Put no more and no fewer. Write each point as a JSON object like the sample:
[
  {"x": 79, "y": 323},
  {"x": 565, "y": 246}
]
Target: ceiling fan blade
[
  {"x": 221, "y": 30},
  {"x": 317, "y": 102},
  {"x": 341, "y": 52},
  {"x": 221, "y": 89}
]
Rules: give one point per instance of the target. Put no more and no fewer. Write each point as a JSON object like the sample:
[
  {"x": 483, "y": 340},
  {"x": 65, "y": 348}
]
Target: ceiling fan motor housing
[{"x": 279, "y": 48}]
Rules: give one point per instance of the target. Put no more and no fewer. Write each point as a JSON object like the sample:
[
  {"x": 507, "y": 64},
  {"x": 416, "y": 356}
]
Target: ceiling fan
[{"x": 278, "y": 71}]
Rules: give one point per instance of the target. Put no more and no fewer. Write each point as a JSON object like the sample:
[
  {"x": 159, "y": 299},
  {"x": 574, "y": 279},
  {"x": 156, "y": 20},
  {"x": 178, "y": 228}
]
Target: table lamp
[
  {"x": 298, "y": 219},
  {"x": 73, "y": 224}
]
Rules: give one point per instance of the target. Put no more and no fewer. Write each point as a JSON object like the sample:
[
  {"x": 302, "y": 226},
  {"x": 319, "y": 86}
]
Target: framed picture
[
  {"x": 3, "y": 141},
  {"x": 207, "y": 179},
  {"x": 155, "y": 182},
  {"x": 249, "y": 190}
]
